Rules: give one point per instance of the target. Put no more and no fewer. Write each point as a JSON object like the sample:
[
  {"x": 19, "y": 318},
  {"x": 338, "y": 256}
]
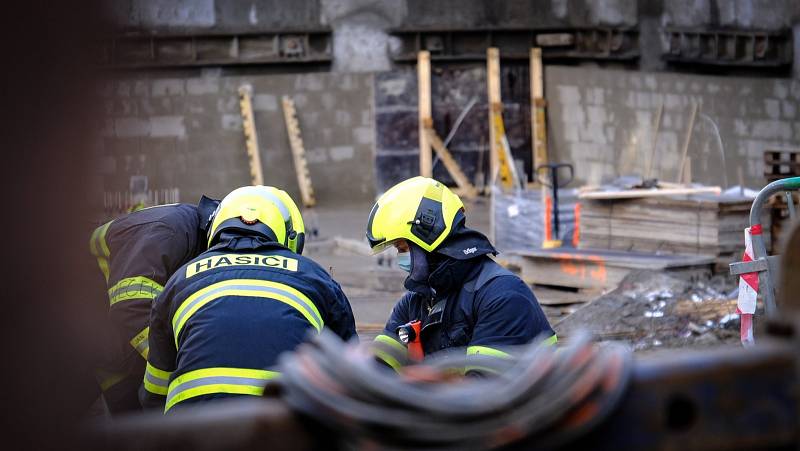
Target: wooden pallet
[
  {"x": 780, "y": 164},
  {"x": 599, "y": 268},
  {"x": 704, "y": 226},
  {"x": 298, "y": 152}
]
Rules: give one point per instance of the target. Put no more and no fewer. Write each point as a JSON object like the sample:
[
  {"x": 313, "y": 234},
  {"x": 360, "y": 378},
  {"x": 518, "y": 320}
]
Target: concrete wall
[
  {"x": 602, "y": 121},
  {"x": 186, "y": 132},
  {"x": 362, "y": 41}
]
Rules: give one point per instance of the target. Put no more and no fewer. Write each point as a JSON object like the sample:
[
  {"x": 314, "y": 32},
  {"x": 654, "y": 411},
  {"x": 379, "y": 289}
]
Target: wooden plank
[
  {"x": 425, "y": 112},
  {"x": 653, "y": 144},
  {"x": 495, "y": 106},
  {"x": 250, "y": 135},
  {"x": 635, "y": 193},
  {"x": 450, "y": 163},
  {"x": 298, "y": 152},
  {"x": 538, "y": 113}
]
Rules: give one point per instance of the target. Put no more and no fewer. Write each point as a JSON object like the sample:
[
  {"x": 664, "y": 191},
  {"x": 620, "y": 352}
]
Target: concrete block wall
[
  {"x": 186, "y": 132},
  {"x": 602, "y": 121}
]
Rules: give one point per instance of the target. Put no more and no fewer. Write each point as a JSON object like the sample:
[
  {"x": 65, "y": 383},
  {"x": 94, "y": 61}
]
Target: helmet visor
[{"x": 380, "y": 246}]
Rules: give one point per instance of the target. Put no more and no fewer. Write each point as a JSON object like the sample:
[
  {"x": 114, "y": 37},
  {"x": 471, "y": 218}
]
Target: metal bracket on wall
[
  {"x": 728, "y": 47},
  {"x": 185, "y": 50},
  {"x": 601, "y": 43}
]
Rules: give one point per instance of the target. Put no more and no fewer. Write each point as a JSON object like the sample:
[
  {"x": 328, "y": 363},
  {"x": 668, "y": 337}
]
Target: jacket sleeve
[
  {"x": 161, "y": 357},
  {"x": 506, "y": 314},
  {"x": 340, "y": 315},
  {"x": 387, "y": 346},
  {"x": 139, "y": 269}
]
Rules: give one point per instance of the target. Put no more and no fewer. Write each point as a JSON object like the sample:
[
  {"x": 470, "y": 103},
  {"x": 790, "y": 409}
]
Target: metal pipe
[
  {"x": 757, "y": 239},
  {"x": 792, "y": 183}
]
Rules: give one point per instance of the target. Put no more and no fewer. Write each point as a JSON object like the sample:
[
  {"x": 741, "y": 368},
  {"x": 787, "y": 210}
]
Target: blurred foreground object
[{"x": 580, "y": 396}]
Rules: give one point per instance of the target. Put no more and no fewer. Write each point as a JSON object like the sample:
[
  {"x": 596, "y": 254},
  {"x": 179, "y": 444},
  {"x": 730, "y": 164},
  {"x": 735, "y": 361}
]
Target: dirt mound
[{"x": 652, "y": 310}]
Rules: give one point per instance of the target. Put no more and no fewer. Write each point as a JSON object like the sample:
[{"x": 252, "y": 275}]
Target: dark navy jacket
[
  {"x": 482, "y": 306},
  {"x": 137, "y": 254},
  {"x": 224, "y": 318}
]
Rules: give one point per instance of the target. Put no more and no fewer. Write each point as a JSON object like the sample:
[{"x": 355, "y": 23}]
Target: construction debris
[{"x": 652, "y": 310}]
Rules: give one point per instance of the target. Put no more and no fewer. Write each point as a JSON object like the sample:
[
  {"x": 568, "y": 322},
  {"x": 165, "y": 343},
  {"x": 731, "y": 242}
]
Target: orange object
[
  {"x": 409, "y": 334},
  {"x": 548, "y": 212},
  {"x": 415, "y": 352},
  {"x": 576, "y": 231}
]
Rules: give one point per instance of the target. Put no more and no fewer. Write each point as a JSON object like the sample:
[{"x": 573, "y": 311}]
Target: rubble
[{"x": 651, "y": 310}]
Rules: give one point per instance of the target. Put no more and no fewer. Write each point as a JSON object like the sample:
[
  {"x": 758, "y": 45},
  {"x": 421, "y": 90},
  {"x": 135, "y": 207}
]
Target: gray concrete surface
[
  {"x": 187, "y": 133},
  {"x": 602, "y": 121}
]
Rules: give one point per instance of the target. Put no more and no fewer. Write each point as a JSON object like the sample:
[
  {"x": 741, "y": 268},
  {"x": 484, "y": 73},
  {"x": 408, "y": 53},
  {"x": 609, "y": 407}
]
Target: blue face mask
[{"x": 404, "y": 261}]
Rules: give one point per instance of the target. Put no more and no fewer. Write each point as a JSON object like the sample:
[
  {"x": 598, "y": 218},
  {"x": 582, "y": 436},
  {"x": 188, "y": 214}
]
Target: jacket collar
[
  {"x": 237, "y": 242},
  {"x": 452, "y": 274}
]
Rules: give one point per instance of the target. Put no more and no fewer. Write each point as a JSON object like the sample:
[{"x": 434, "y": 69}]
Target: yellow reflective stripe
[
  {"x": 102, "y": 239},
  {"x": 97, "y": 243},
  {"x": 391, "y": 361},
  {"x": 392, "y": 342},
  {"x": 103, "y": 264},
  {"x": 485, "y": 350},
  {"x": 108, "y": 380},
  {"x": 134, "y": 288},
  {"x": 246, "y": 288},
  {"x": 93, "y": 242},
  {"x": 156, "y": 381},
  {"x": 550, "y": 341},
  {"x": 139, "y": 342},
  {"x": 242, "y": 381}
]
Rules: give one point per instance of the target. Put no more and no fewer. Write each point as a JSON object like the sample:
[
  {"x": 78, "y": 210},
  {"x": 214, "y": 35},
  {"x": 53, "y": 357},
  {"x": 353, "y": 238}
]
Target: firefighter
[
  {"x": 223, "y": 319},
  {"x": 458, "y": 297},
  {"x": 137, "y": 253}
]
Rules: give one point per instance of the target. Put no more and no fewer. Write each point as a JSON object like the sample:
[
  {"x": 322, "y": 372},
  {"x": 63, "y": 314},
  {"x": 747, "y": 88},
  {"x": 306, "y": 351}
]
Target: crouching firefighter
[
  {"x": 217, "y": 329},
  {"x": 458, "y": 297},
  {"x": 137, "y": 253}
]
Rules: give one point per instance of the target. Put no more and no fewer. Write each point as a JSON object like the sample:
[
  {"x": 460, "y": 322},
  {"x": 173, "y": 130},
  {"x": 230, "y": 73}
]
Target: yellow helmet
[
  {"x": 420, "y": 210},
  {"x": 266, "y": 210}
]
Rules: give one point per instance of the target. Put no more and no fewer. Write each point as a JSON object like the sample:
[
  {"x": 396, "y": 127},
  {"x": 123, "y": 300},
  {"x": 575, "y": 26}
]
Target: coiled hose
[{"x": 545, "y": 396}]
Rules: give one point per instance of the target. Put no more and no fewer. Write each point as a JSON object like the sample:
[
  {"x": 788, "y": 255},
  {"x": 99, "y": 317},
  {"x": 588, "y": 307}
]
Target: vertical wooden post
[
  {"x": 425, "y": 113},
  {"x": 495, "y": 106},
  {"x": 538, "y": 117}
]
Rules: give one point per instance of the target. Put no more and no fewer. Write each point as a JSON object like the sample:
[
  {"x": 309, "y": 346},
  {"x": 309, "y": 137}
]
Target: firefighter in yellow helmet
[
  {"x": 458, "y": 294},
  {"x": 223, "y": 319}
]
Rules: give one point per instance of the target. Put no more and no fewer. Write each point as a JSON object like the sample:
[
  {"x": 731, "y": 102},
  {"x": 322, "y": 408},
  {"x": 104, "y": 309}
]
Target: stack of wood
[{"x": 703, "y": 224}]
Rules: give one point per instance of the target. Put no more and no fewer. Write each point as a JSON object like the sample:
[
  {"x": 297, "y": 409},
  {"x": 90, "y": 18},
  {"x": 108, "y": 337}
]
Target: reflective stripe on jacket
[{"x": 224, "y": 318}]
